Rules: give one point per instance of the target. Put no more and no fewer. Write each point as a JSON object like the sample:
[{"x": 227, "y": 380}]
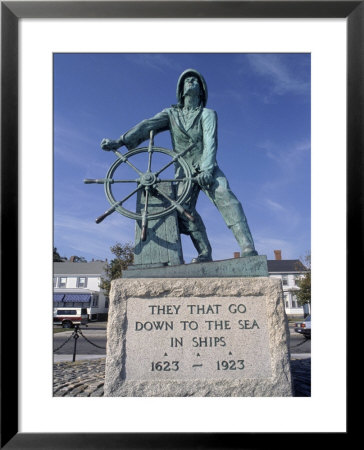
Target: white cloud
[
  {"x": 283, "y": 217},
  {"x": 275, "y": 68},
  {"x": 68, "y": 133},
  {"x": 289, "y": 251},
  {"x": 86, "y": 238},
  {"x": 274, "y": 206},
  {"x": 289, "y": 158}
]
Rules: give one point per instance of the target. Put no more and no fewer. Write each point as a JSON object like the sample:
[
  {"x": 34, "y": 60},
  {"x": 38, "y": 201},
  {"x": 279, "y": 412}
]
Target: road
[
  {"x": 298, "y": 343},
  {"x": 93, "y": 337},
  {"x": 96, "y": 338}
]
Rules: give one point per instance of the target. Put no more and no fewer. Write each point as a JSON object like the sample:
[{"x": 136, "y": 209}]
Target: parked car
[
  {"x": 69, "y": 317},
  {"x": 304, "y": 327}
]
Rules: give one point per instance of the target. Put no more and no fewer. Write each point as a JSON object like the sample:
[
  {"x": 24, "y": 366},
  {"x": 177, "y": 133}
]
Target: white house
[
  {"x": 289, "y": 271},
  {"x": 77, "y": 284}
]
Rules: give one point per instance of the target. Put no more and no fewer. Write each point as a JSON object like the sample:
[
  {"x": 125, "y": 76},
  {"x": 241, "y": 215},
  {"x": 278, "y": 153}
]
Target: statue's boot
[
  {"x": 245, "y": 240},
  {"x": 202, "y": 245}
]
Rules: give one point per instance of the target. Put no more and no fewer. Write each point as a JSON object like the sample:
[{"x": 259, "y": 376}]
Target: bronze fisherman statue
[{"x": 191, "y": 123}]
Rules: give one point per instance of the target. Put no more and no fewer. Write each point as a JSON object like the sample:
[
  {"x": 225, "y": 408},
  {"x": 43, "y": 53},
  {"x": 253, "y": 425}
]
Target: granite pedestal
[{"x": 177, "y": 337}]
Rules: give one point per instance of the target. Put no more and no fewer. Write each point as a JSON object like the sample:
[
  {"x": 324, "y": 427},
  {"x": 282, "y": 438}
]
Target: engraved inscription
[{"x": 197, "y": 338}]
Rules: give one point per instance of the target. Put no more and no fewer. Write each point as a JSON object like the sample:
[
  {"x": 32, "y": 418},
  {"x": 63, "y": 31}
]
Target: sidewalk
[{"x": 300, "y": 356}]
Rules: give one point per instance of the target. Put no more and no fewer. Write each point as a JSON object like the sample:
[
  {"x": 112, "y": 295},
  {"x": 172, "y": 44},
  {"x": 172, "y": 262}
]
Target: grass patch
[{"x": 294, "y": 319}]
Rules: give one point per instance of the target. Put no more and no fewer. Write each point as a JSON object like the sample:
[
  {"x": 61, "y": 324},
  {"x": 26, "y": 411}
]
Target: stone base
[
  {"x": 214, "y": 337},
  {"x": 251, "y": 266}
]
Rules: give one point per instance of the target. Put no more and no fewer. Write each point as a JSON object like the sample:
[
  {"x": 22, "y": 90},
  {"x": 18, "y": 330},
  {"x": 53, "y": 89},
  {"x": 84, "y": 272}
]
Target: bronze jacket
[{"x": 200, "y": 130}]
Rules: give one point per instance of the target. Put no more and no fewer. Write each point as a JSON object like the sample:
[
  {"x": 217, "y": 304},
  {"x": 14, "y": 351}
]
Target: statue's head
[{"x": 191, "y": 73}]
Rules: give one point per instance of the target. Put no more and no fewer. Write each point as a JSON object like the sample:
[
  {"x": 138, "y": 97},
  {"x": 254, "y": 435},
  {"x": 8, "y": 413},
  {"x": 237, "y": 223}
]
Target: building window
[
  {"x": 286, "y": 300},
  {"x": 81, "y": 282},
  {"x": 297, "y": 280},
  {"x": 54, "y": 281},
  {"x": 62, "y": 282},
  {"x": 294, "y": 301},
  {"x": 285, "y": 280},
  {"x": 106, "y": 302},
  {"x": 95, "y": 301}
]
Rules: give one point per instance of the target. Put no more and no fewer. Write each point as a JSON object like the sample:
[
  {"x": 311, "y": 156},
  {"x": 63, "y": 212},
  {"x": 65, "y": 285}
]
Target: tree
[
  {"x": 304, "y": 293},
  {"x": 124, "y": 256},
  {"x": 56, "y": 256},
  {"x": 77, "y": 259}
]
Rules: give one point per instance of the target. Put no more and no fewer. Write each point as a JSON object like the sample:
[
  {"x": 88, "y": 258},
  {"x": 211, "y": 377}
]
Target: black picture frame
[{"x": 11, "y": 12}]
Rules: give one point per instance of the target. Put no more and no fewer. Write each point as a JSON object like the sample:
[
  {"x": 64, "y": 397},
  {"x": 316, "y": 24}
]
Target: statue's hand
[
  {"x": 205, "y": 179},
  {"x": 109, "y": 144}
]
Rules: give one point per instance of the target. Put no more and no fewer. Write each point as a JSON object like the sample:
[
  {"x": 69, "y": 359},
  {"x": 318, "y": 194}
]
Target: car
[
  {"x": 69, "y": 317},
  {"x": 304, "y": 327}
]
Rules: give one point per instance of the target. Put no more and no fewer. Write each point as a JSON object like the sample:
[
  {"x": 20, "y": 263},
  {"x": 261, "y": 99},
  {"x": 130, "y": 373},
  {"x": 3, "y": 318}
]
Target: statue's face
[{"x": 191, "y": 86}]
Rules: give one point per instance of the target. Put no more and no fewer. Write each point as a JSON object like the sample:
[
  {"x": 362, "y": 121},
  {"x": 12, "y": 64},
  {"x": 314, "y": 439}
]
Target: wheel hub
[{"x": 148, "y": 179}]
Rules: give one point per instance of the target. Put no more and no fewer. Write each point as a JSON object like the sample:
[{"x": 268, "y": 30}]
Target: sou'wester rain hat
[{"x": 194, "y": 73}]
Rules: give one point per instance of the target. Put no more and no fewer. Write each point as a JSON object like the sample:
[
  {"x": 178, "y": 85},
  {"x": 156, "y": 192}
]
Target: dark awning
[
  {"x": 77, "y": 298},
  {"x": 58, "y": 297}
]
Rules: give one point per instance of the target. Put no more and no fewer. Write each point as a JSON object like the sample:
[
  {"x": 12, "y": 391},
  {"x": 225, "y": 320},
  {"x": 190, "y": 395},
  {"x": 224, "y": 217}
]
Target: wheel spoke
[
  {"x": 108, "y": 180},
  {"x": 146, "y": 200},
  {"x": 166, "y": 166},
  {"x": 139, "y": 172},
  {"x": 95, "y": 181},
  {"x": 150, "y": 153},
  {"x": 143, "y": 235},
  {"x": 178, "y": 155},
  {"x": 150, "y": 150},
  {"x": 178, "y": 180},
  {"x": 125, "y": 160},
  {"x": 178, "y": 206},
  {"x": 129, "y": 195},
  {"x": 119, "y": 203}
]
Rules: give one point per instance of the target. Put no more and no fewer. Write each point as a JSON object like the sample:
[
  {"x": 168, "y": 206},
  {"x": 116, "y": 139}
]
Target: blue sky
[{"x": 263, "y": 106}]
